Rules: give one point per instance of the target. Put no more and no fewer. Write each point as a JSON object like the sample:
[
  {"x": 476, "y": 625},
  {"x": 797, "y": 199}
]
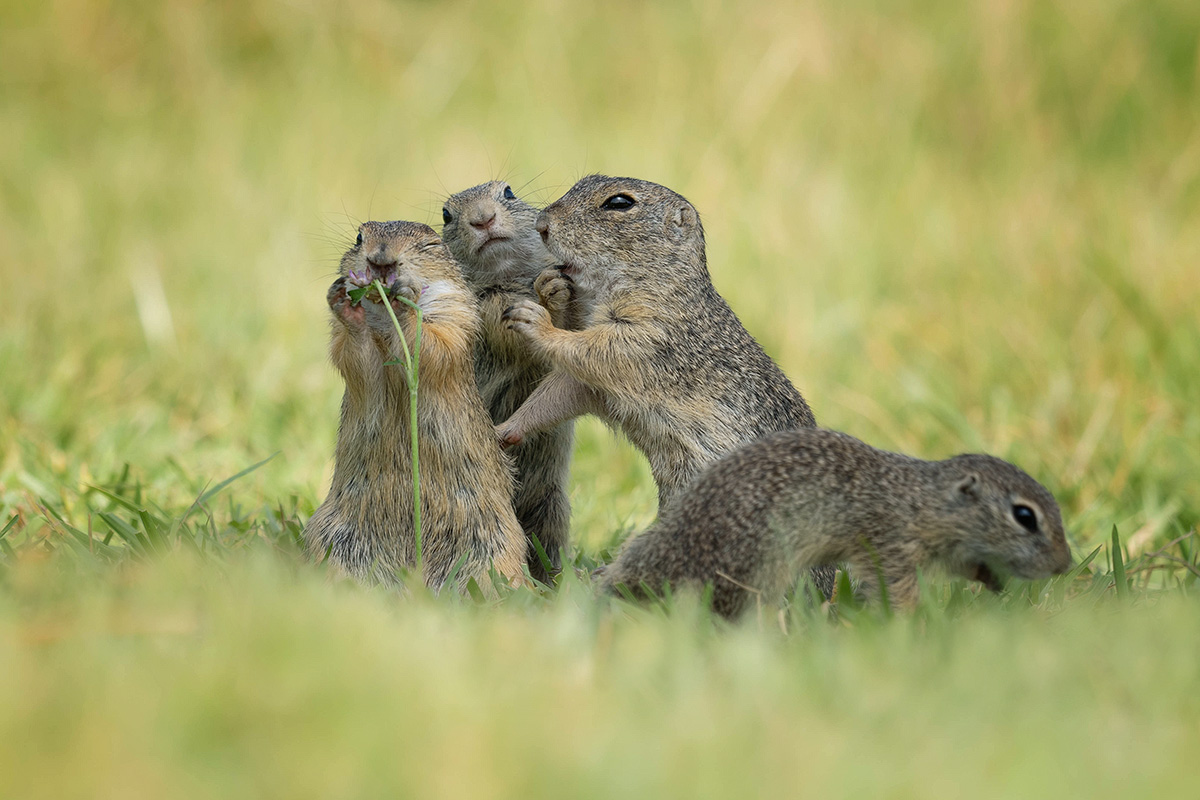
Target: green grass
[{"x": 957, "y": 226}]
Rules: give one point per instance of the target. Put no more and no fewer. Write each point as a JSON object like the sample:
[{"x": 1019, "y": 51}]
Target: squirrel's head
[
  {"x": 385, "y": 251},
  {"x": 606, "y": 231},
  {"x": 1000, "y": 517},
  {"x": 490, "y": 231}
]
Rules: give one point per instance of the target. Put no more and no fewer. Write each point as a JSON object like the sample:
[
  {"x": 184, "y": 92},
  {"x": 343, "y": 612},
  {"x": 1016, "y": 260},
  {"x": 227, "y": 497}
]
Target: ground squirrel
[
  {"x": 803, "y": 498},
  {"x": 660, "y": 356},
  {"x": 490, "y": 231},
  {"x": 365, "y": 524}
]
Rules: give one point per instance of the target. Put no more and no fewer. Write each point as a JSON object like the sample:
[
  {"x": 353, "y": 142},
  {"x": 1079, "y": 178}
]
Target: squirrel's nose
[
  {"x": 483, "y": 225},
  {"x": 380, "y": 258},
  {"x": 543, "y": 225}
]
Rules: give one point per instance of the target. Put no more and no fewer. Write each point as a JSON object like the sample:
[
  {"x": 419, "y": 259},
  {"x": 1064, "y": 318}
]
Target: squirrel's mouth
[
  {"x": 983, "y": 573},
  {"x": 491, "y": 240},
  {"x": 369, "y": 274}
]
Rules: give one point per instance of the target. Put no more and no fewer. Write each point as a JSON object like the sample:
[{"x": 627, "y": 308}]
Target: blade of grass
[
  {"x": 153, "y": 527},
  {"x": 207, "y": 494},
  {"x": 627, "y": 593},
  {"x": 452, "y": 578},
  {"x": 125, "y": 531},
  {"x": 124, "y": 502},
  {"x": 1078, "y": 569},
  {"x": 79, "y": 536},
  {"x": 204, "y": 498},
  {"x": 475, "y": 592},
  {"x": 1118, "y": 563},
  {"x": 542, "y": 555},
  {"x": 845, "y": 592}
]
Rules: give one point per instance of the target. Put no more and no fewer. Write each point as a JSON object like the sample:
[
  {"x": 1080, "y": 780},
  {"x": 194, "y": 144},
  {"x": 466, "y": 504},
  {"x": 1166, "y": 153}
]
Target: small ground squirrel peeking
[
  {"x": 467, "y": 520},
  {"x": 802, "y": 498},
  {"x": 660, "y": 356},
  {"x": 490, "y": 231}
]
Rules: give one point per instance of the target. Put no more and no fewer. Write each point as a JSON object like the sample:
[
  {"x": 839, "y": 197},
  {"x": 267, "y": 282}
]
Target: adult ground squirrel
[
  {"x": 660, "y": 356},
  {"x": 803, "y": 498},
  {"x": 490, "y": 231},
  {"x": 365, "y": 524}
]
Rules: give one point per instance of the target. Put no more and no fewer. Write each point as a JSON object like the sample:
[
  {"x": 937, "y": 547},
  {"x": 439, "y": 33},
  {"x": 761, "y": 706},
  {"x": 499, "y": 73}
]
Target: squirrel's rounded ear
[
  {"x": 681, "y": 221},
  {"x": 968, "y": 485}
]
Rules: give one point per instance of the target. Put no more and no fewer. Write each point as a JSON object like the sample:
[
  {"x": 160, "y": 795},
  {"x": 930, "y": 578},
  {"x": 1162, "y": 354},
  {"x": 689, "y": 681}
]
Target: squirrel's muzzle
[
  {"x": 1065, "y": 562},
  {"x": 365, "y": 276}
]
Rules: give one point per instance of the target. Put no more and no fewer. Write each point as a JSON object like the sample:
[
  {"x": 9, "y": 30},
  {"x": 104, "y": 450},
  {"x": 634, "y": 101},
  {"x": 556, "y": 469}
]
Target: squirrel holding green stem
[{"x": 365, "y": 526}]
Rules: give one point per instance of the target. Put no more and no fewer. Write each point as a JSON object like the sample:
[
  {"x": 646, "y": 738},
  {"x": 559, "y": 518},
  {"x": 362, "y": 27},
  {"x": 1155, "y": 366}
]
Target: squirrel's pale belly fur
[
  {"x": 803, "y": 498},
  {"x": 490, "y": 231},
  {"x": 365, "y": 524}
]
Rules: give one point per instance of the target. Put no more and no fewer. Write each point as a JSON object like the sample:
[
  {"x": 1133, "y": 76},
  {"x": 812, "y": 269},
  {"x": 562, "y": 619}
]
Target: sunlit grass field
[{"x": 956, "y": 226}]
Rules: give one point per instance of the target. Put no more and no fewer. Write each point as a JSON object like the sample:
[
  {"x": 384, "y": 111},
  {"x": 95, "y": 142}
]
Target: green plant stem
[{"x": 412, "y": 360}]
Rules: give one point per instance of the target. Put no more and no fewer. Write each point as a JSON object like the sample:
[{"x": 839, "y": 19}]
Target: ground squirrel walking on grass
[
  {"x": 803, "y": 498},
  {"x": 366, "y": 524},
  {"x": 490, "y": 231}
]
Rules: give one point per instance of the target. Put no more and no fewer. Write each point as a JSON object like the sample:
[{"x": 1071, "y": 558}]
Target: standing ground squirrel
[
  {"x": 490, "y": 231},
  {"x": 466, "y": 485},
  {"x": 803, "y": 498},
  {"x": 661, "y": 356}
]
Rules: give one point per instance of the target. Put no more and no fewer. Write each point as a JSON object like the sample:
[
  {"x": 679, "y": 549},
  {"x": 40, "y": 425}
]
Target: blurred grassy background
[{"x": 957, "y": 226}]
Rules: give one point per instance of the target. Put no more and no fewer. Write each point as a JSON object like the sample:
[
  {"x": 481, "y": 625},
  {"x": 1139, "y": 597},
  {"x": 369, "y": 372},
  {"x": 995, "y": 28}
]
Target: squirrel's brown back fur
[
  {"x": 804, "y": 498},
  {"x": 365, "y": 524}
]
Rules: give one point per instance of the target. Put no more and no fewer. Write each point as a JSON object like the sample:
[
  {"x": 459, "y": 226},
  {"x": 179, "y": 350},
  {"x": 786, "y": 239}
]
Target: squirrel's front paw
[
  {"x": 508, "y": 436},
  {"x": 554, "y": 290},
  {"x": 526, "y": 318},
  {"x": 339, "y": 303},
  {"x": 405, "y": 286}
]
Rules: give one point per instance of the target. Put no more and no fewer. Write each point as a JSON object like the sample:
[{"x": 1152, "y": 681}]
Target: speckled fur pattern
[
  {"x": 365, "y": 524},
  {"x": 672, "y": 365},
  {"x": 661, "y": 356},
  {"x": 804, "y": 498},
  {"x": 504, "y": 262}
]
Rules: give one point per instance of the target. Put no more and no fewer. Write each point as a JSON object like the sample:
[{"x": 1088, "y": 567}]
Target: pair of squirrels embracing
[{"x": 602, "y": 304}]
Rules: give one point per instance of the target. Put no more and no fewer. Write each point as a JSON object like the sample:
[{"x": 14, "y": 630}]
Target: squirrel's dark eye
[
  {"x": 446, "y": 215},
  {"x": 1025, "y": 518},
  {"x": 618, "y": 202},
  {"x": 358, "y": 241},
  {"x": 508, "y": 193}
]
